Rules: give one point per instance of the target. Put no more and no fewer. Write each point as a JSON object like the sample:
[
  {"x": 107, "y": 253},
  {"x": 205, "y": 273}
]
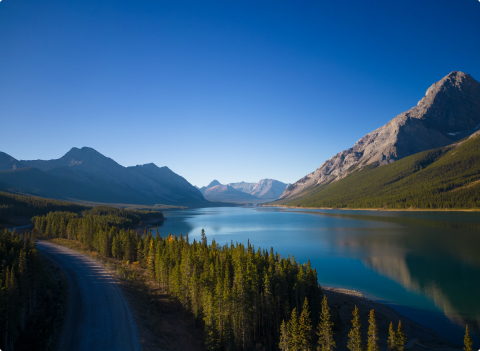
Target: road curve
[{"x": 98, "y": 316}]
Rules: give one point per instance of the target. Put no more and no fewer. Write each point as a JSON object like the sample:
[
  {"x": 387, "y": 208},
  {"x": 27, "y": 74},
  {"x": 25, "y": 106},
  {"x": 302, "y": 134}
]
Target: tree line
[
  {"x": 19, "y": 281},
  {"x": 29, "y": 206},
  {"x": 244, "y": 298},
  {"x": 239, "y": 294}
]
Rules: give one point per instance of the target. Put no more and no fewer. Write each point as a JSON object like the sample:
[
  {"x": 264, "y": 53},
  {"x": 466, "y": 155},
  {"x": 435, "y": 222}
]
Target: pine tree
[
  {"x": 305, "y": 328},
  {"x": 325, "y": 332},
  {"x": 284, "y": 337},
  {"x": 401, "y": 338},
  {"x": 151, "y": 259},
  {"x": 372, "y": 333},
  {"x": 354, "y": 336},
  {"x": 392, "y": 339},
  {"x": 294, "y": 342},
  {"x": 467, "y": 341}
]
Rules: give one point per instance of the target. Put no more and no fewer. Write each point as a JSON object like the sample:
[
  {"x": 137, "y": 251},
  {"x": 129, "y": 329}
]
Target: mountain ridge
[
  {"x": 226, "y": 193},
  {"x": 87, "y": 175},
  {"x": 262, "y": 191},
  {"x": 444, "y": 178},
  {"x": 449, "y": 111}
]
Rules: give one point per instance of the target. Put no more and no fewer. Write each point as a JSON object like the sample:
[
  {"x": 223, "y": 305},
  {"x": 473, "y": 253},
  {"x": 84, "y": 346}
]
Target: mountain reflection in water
[
  {"x": 425, "y": 264},
  {"x": 438, "y": 258}
]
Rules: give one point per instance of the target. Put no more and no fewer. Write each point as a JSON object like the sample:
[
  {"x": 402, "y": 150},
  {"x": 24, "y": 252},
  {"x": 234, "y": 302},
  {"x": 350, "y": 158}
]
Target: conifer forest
[{"x": 244, "y": 298}]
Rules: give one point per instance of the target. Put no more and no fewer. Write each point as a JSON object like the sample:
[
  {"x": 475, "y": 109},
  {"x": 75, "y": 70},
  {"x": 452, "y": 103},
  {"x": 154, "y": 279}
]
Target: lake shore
[
  {"x": 344, "y": 301},
  {"x": 375, "y": 209}
]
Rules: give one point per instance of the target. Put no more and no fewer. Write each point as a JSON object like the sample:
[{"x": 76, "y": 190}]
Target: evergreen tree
[
  {"x": 392, "y": 339},
  {"x": 284, "y": 337},
  {"x": 401, "y": 338},
  {"x": 467, "y": 340},
  {"x": 325, "y": 332},
  {"x": 372, "y": 333},
  {"x": 305, "y": 328},
  {"x": 294, "y": 342},
  {"x": 354, "y": 336}
]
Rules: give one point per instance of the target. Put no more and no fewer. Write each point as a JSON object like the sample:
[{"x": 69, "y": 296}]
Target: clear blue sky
[{"x": 231, "y": 90}]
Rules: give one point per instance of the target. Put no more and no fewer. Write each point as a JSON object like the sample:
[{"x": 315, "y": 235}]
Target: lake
[{"x": 426, "y": 265}]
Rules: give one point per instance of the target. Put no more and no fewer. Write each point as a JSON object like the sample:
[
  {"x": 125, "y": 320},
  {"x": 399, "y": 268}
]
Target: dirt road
[{"x": 98, "y": 316}]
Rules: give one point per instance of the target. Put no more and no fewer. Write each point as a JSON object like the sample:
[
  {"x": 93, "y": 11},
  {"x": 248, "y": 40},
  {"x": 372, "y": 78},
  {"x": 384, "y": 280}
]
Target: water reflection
[
  {"x": 426, "y": 261},
  {"x": 438, "y": 258}
]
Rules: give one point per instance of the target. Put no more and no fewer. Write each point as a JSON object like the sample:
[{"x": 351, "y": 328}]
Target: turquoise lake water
[{"x": 426, "y": 265}]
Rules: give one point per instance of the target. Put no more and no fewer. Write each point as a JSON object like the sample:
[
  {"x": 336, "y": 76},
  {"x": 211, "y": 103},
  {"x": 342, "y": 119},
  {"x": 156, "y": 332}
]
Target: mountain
[
  {"x": 263, "y": 191},
  {"x": 7, "y": 162},
  {"x": 444, "y": 178},
  {"x": 244, "y": 187},
  {"x": 268, "y": 189},
  {"x": 449, "y": 112},
  {"x": 226, "y": 193},
  {"x": 212, "y": 184},
  {"x": 87, "y": 175}
]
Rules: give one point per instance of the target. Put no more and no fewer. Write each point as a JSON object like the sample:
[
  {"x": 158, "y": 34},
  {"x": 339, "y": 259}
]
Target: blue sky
[{"x": 231, "y": 90}]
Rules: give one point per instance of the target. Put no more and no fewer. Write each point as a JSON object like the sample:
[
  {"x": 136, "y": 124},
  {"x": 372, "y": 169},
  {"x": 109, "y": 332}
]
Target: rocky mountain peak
[
  {"x": 449, "y": 112},
  {"x": 213, "y": 183},
  {"x": 83, "y": 154},
  {"x": 456, "y": 80}
]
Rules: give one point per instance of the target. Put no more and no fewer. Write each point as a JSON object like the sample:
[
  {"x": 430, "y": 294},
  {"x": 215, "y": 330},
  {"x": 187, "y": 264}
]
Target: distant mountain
[
  {"x": 264, "y": 190},
  {"x": 449, "y": 112},
  {"x": 267, "y": 189},
  {"x": 87, "y": 175},
  {"x": 243, "y": 186},
  {"x": 212, "y": 184},
  {"x": 7, "y": 162},
  {"x": 226, "y": 193},
  {"x": 444, "y": 178}
]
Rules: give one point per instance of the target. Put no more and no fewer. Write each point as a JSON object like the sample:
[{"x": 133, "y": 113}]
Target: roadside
[
  {"x": 162, "y": 323},
  {"x": 44, "y": 327}
]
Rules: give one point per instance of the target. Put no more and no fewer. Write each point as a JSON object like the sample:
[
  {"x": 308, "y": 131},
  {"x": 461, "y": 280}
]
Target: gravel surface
[{"x": 98, "y": 316}]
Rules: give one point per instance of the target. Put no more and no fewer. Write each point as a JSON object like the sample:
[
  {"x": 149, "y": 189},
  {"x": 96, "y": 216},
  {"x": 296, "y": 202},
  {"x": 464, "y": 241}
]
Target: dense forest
[
  {"x": 25, "y": 288},
  {"x": 68, "y": 224},
  {"x": 244, "y": 298},
  {"x": 18, "y": 280},
  {"x": 446, "y": 178},
  {"x": 239, "y": 294},
  {"x": 12, "y": 205}
]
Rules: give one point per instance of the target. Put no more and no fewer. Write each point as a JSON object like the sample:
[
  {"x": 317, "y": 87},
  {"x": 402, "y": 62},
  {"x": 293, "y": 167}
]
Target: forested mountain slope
[
  {"x": 444, "y": 178},
  {"x": 449, "y": 112}
]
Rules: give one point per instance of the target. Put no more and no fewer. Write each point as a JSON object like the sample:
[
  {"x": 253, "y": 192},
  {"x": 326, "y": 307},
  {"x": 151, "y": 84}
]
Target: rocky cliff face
[{"x": 449, "y": 112}]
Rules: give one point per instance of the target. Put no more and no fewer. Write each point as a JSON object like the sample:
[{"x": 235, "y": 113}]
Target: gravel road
[{"x": 98, "y": 316}]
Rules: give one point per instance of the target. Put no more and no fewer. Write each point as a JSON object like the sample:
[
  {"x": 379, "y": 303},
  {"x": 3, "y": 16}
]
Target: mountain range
[
  {"x": 449, "y": 112},
  {"x": 87, "y": 175},
  {"x": 263, "y": 191}
]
